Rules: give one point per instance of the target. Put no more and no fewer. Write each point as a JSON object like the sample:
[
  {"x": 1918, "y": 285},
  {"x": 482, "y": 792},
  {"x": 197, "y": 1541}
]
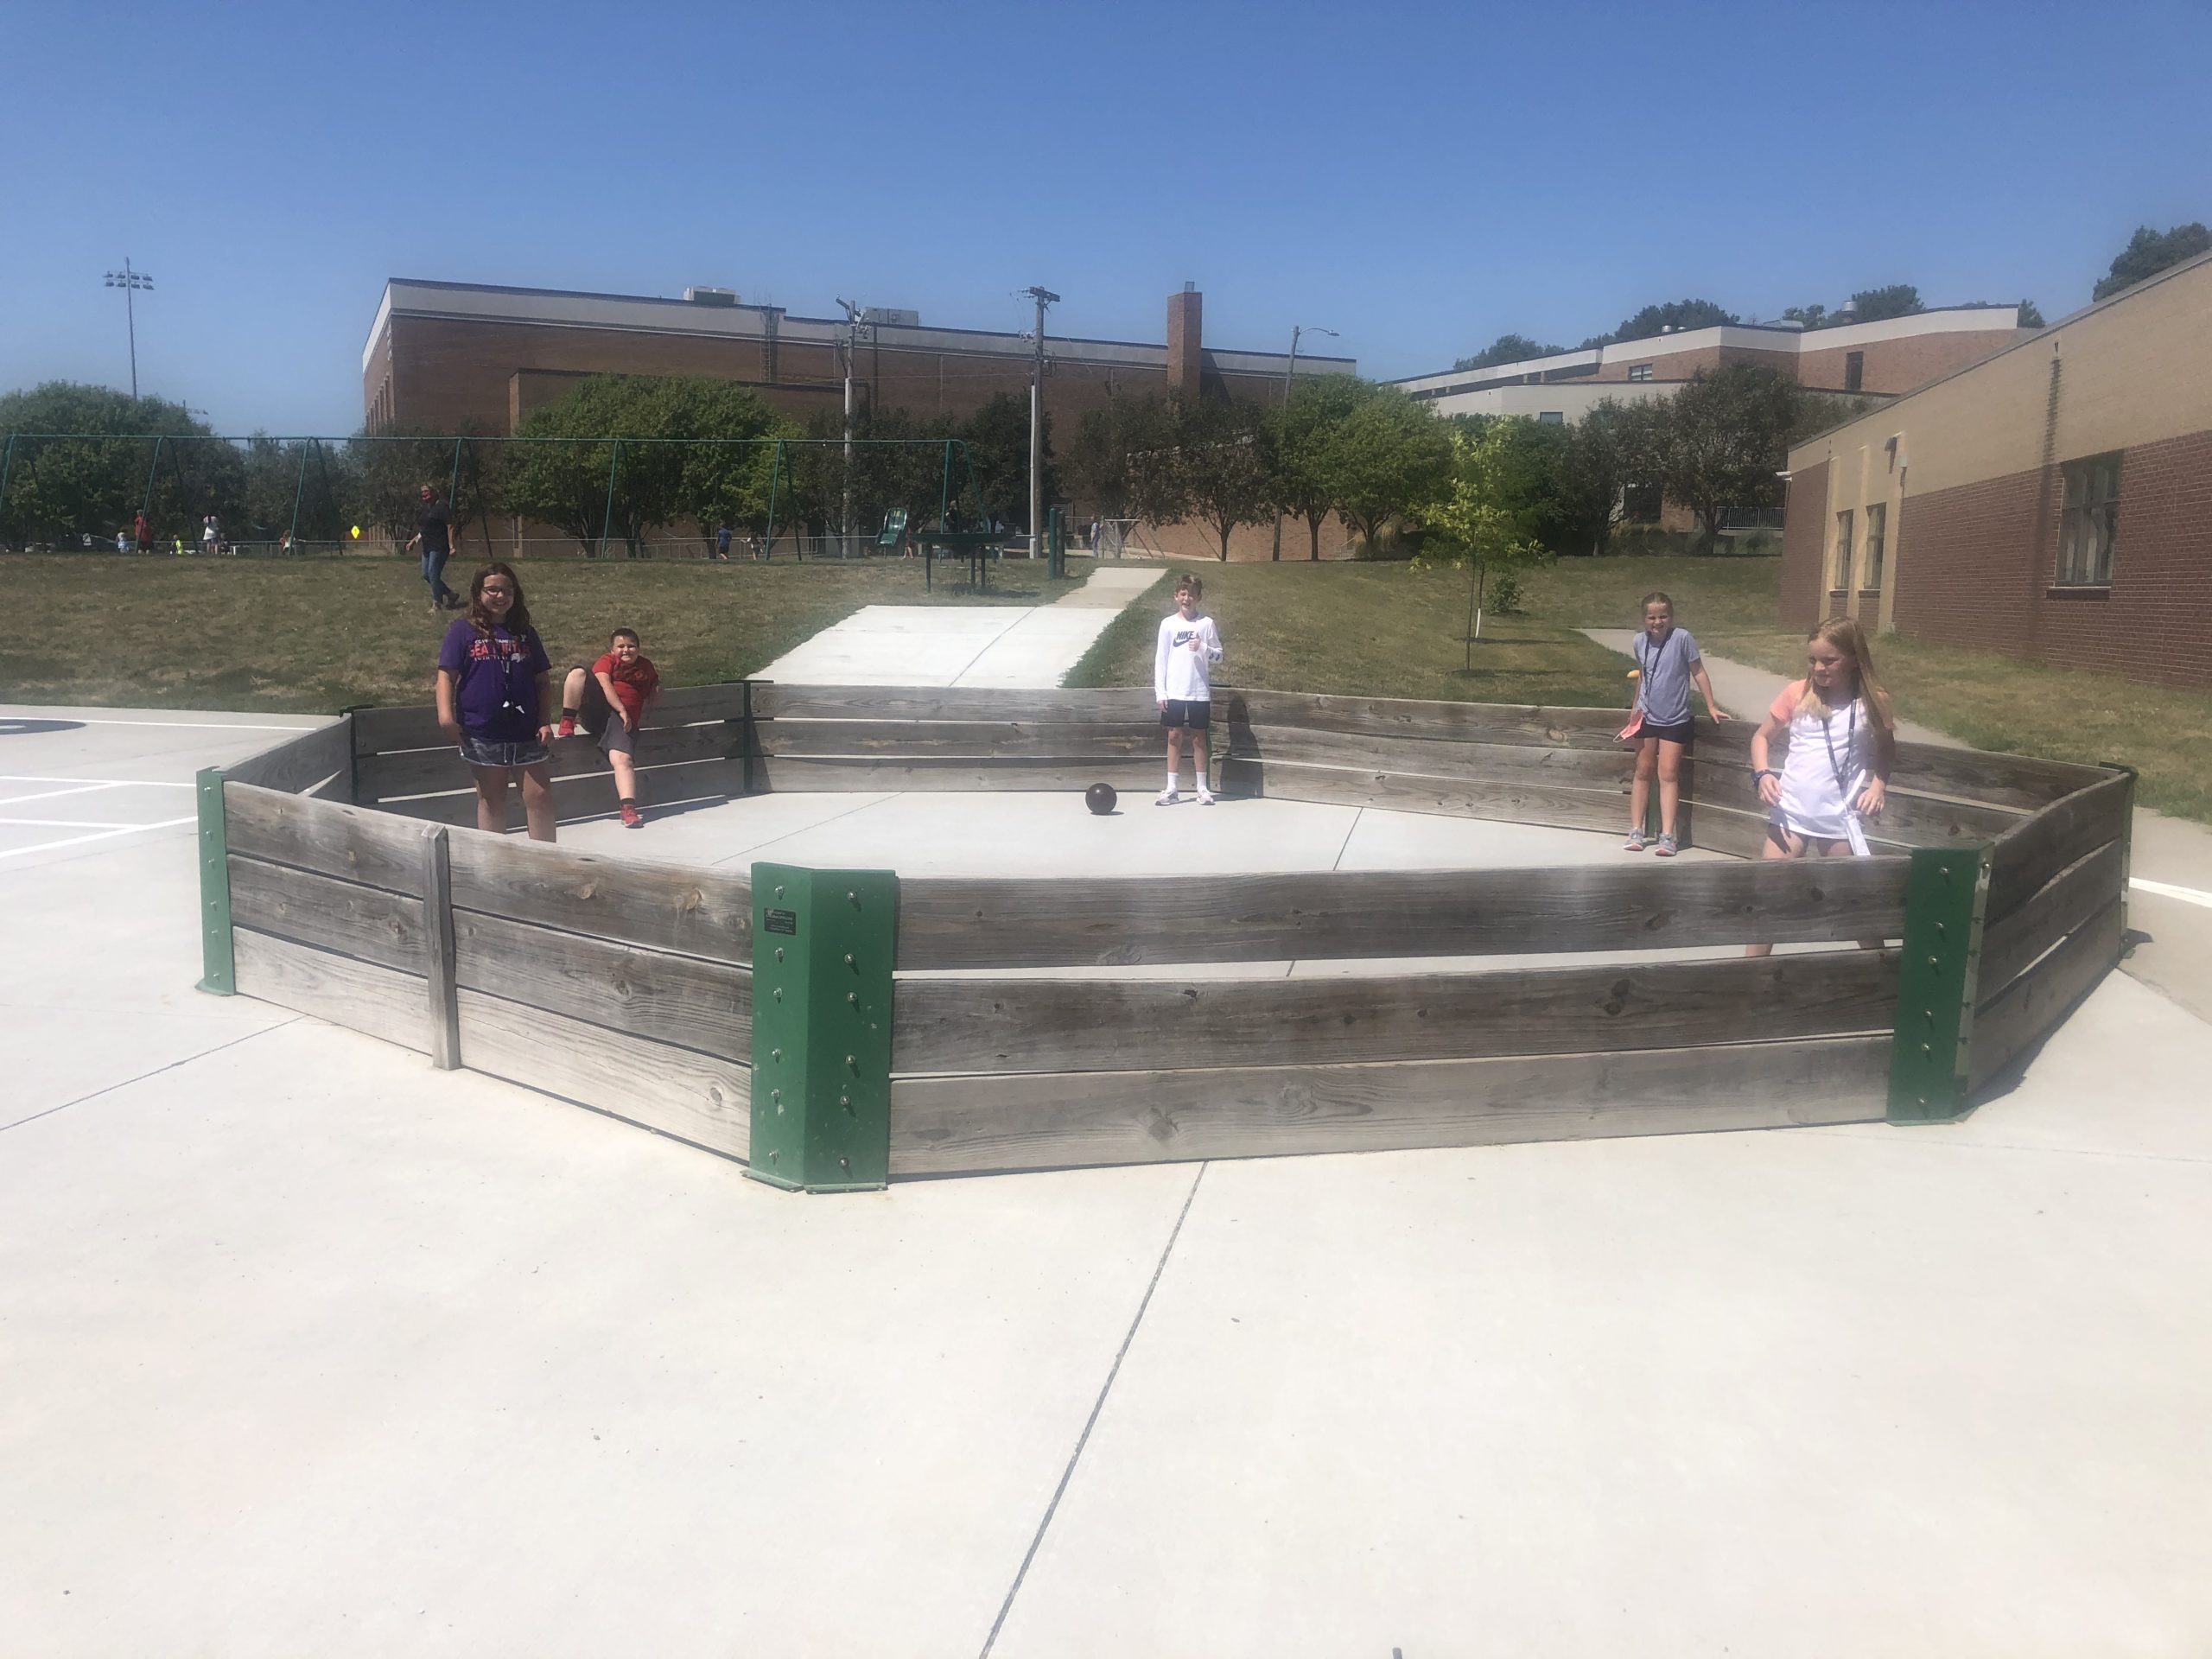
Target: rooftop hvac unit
[
  {"x": 711, "y": 296},
  {"x": 893, "y": 315}
]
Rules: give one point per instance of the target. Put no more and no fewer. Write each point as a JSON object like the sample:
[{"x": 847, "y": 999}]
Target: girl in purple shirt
[{"x": 494, "y": 700}]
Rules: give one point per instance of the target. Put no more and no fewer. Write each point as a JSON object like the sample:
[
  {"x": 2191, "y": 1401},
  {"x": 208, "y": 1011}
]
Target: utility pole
[
  {"x": 1044, "y": 296},
  {"x": 847, "y": 351},
  {"x": 130, "y": 281},
  {"x": 1295, "y": 331}
]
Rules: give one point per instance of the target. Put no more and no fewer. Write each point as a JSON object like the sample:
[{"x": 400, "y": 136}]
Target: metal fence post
[
  {"x": 217, "y": 966},
  {"x": 438, "y": 948},
  {"x": 1945, "y": 892},
  {"x": 823, "y": 943}
]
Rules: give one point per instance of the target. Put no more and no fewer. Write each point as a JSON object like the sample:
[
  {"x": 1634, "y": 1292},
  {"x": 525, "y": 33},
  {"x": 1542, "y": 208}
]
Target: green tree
[
  {"x": 1674, "y": 315},
  {"x": 1724, "y": 438},
  {"x": 1387, "y": 460},
  {"x": 1508, "y": 349},
  {"x": 2148, "y": 252},
  {"x": 997, "y": 436},
  {"x": 2030, "y": 316},
  {"x": 1880, "y": 304},
  {"x": 1812, "y": 316},
  {"x": 1614, "y": 447},
  {"x": 1487, "y": 515},
  {"x": 728, "y": 481},
  {"x": 1222, "y": 450},
  {"x": 1104, "y": 458},
  {"x": 386, "y": 473},
  {"x": 60, "y": 489},
  {"x": 1299, "y": 433}
]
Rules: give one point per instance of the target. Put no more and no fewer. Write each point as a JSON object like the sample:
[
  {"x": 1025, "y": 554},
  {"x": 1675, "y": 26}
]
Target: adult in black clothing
[{"x": 433, "y": 536}]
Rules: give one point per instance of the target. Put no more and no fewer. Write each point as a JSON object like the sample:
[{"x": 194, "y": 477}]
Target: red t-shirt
[{"x": 634, "y": 682}]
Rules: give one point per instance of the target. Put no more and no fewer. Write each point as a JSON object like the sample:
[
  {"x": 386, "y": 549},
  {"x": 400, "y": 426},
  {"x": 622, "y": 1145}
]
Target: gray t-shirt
[{"x": 1665, "y": 694}]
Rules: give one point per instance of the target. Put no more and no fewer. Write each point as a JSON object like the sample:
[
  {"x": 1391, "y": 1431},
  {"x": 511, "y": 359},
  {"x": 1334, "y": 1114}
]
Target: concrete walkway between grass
[
  {"x": 2169, "y": 861},
  {"x": 965, "y": 644}
]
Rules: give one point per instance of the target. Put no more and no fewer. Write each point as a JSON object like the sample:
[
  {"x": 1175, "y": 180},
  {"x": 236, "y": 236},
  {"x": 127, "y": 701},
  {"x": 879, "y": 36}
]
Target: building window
[
  {"x": 1854, "y": 370},
  {"x": 1840, "y": 561},
  {"x": 2088, "y": 523},
  {"x": 1552, "y": 417},
  {"x": 1871, "y": 548},
  {"x": 1640, "y": 372}
]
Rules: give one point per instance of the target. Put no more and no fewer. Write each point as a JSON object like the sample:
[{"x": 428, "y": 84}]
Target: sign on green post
[
  {"x": 1944, "y": 896},
  {"x": 823, "y": 946}
]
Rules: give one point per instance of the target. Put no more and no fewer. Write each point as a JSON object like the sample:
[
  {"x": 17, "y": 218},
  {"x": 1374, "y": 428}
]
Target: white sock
[{"x": 1170, "y": 783}]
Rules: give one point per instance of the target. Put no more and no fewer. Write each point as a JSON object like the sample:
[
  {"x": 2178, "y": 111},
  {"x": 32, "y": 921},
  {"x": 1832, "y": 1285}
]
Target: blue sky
[{"x": 1421, "y": 178}]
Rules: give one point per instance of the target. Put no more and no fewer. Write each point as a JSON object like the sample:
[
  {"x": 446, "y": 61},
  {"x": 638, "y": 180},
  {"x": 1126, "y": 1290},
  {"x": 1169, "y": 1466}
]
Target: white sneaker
[
  {"x": 1166, "y": 798},
  {"x": 1205, "y": 795}
]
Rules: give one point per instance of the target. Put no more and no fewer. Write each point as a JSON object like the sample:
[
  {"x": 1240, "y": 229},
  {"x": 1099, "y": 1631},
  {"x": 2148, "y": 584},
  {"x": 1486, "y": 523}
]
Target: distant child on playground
[
  {"x": 494, "y": 688},
  {"x": 1667, "y": 662},
  {"x": 608, "y": 700},
  {"x": 1843, "y": 742},
  {"x": 1182, "y": 680}
]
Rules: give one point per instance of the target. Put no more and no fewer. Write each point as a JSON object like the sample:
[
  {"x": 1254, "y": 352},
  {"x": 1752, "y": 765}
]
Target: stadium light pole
[
  {"x": 1044, "y": 296},
  {"x": 130, "y": 281},
  {"x": 1296, "y": 329}
]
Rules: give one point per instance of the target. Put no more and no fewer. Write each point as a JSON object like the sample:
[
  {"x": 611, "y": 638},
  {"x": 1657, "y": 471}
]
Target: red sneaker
[
  {"x": 566, "y": 728},
  {"x": 632, "y": 818}
]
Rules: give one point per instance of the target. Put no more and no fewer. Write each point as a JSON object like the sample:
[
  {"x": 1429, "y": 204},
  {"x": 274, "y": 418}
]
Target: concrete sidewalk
[
  {"x": 307, "y": 1348},
  {"x": 2169, "y": 861},
  {"x": 964, "y": 644}
]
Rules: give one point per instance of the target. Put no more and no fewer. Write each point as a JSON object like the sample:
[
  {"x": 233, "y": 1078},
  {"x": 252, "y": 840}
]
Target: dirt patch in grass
[{"x": 315, "y": 635}]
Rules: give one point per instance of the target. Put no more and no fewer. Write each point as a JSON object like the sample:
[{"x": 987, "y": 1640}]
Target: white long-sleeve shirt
[{"x": 1179, "y": 673}]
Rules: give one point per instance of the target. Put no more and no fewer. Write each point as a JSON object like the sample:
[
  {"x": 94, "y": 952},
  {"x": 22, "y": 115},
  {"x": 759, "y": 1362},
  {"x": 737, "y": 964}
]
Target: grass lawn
[
  {"x": 315, "y": 635},
  {"x": 1390, "y": 631}
]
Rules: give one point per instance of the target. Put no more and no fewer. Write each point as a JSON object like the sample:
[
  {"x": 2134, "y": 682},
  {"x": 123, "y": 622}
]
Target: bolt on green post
[{"x": 823, "y": 946}]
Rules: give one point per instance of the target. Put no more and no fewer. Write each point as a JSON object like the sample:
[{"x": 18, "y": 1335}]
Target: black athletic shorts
[
  {"x": 1195, "y": 716},
  {"x": 1685, "y": 733}
]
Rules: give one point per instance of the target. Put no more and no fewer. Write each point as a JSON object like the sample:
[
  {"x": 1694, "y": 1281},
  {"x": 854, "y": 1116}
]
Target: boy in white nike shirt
[{"x": 1182, "y": 679}]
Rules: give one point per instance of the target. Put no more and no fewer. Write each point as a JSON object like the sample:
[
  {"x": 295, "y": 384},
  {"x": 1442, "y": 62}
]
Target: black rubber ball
[{"x": 1099, "y": 798}]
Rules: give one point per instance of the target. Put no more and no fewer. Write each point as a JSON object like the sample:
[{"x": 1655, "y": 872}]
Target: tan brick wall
[
  {"x": 1898, "y": 365},
  {"x": 1804, "y": 588}
]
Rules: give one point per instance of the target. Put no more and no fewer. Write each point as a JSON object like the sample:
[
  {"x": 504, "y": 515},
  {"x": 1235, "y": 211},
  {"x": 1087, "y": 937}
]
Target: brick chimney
[{"x": 1183, "y": 350}]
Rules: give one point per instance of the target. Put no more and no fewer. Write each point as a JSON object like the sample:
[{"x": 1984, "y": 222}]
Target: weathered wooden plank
[
  {"x": 897, "y": 740},
  {"x": 2017, "y": 780},
  {"x": 659, "y": 907},
  {"x": 343, "y": 990},
  {"x": 2032, "y": 1006},
  {"x": 422, "y": 772},
  {"x": 2062, "y": 904},
  {"x": 1122, "y": 703},
  {"x": 1095, "y": 1024},
  {"x": 653, "y": 995},
  {"x": 684, "y": 705},
  {"x": 588, "y": 797},
  {"x": 1522, "y": 803},
  {"x": 438, "y": 948},
  {"x": 2054, "y": 838},
  {"x": 299, "y": 762},
  {"x": 351, "y": 842},
  {"x": 1574, "y": 768},
  {"x": 691, "y": 1098},
  {"x": 828, "y": 774},
  {"x": 415, "y": 726},
  {"x": 332, "y": 915},
  {"x": 1061, "y": 921},
  {"x": 943, "y": 1126},
  {"x": 1483, "y": 722},
  {"x": 1909, "y": 817}
]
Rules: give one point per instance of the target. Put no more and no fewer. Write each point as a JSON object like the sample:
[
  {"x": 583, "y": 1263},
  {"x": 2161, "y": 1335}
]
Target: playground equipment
[{"x": 756, "y": 1014}]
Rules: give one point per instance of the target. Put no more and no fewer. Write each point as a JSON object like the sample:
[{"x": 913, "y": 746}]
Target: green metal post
[
  {"x": 824, "y": 943},
  {"x": 606, "y": 523},
  {"x": 775, "y": 474},
  {"x": 218, "y": 971},
  {"x": 1929, "y": 1049},
  {"x": 944, "y": 485}
]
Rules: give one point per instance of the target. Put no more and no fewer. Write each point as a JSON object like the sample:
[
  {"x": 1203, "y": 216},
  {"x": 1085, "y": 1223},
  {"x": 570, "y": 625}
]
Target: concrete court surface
[{"x": 305, "y": 1348}]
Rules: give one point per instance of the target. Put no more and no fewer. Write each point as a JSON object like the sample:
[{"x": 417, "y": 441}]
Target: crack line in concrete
[
  {"x": 1097, "y": 1406},
  {"x": 126, "y": 1082}
]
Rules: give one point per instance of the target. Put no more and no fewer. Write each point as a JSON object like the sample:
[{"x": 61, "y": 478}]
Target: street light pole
[
  {"x": 130, "y": 281},
  {"x": 1044, "y": 296},
  {"x": 851, "y": 349},
  {"x": 1295, "y": 331}
]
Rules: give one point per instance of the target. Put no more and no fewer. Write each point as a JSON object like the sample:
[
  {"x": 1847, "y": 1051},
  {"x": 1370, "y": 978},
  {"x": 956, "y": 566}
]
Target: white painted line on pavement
[
  {"x": 48, "y": 794},
  {"x": 180, "y": 725},
  {"x": 2166, "y": 890},
  {"x": 104, "y": 835},
  {"x": 82, "y": 823},
  {"x": 120, "y": 783}
]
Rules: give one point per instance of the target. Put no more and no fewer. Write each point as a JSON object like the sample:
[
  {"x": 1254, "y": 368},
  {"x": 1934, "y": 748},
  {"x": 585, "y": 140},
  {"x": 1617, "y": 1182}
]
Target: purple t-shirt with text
[{"x": 496, "y": 694}]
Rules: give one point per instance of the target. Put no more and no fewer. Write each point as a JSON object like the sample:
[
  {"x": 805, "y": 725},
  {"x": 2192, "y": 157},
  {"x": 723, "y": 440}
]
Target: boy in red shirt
[{"x": 610, "y": 698}]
